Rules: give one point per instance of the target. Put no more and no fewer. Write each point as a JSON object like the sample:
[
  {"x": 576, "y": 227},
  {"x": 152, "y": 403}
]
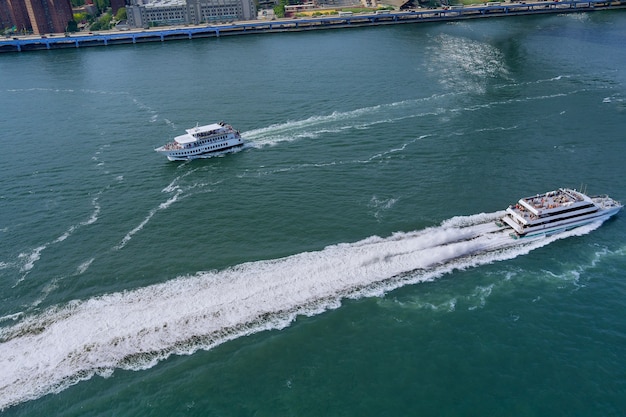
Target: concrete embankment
[{"x": 492, "y": 9}]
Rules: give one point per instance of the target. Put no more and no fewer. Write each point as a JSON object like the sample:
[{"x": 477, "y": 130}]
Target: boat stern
[{"x": 507, "y": 219}]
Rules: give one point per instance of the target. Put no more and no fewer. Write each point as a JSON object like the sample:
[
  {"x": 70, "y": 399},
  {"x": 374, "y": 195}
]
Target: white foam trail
[
  {"x": 475, "y": 219},
  {"x": 136, "y": 329},
  {"x": 91, "y": 220},
  {"x": 145, "y": 221},
  {"x": 31, "y": 258},
  {"x": 380, "y": 205},
  {"x": 365, "y": 118},
  {"x": 374, "y": 158},
  {"x": 172, "y": 187},
  {"x": 334, "y": 122},
  {"x": 82, "y": 268},
  {"x": 13, "y": 316},
  {"x": 179, "y": 192},
  {"x": 49, "y": 287}
]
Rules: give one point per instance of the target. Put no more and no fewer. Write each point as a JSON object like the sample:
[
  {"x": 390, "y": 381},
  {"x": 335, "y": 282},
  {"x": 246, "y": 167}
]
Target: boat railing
[
  {"x": 605, "y": 201},
  {"x": 172, "y": 146}
]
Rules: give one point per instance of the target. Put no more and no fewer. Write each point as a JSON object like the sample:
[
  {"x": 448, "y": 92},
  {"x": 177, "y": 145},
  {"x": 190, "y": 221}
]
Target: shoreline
[{"x": 162, "y": 34}]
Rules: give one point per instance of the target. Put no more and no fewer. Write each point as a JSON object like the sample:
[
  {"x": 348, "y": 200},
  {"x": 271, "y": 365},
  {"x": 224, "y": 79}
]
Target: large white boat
[
  {"x": 557, "y": 211},
  {"x": 200, "y": 141}
]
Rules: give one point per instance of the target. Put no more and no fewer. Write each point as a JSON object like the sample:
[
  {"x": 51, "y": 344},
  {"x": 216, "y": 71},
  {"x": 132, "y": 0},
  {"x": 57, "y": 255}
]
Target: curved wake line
[
  {"x": 291, "y": 130},
  {"x": 48, "y": 352},
  {"x": 29, "y": 259},
  {"x": 145, "y": 221},
  {"x": 335, "y": 122},
  {"x": 179, "y": 192}
]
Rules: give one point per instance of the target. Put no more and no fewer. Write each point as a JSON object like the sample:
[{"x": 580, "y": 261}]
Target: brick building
[
  {"x": 13, "y": 13},
  {"x": 38, "y": 16}
]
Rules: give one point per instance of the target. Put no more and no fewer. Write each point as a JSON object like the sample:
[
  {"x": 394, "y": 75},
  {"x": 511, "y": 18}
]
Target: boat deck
[{"x": 550, "y": 202}]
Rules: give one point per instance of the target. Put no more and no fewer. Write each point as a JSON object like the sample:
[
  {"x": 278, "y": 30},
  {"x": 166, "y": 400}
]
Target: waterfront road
[{"x": 161, "y": 34}]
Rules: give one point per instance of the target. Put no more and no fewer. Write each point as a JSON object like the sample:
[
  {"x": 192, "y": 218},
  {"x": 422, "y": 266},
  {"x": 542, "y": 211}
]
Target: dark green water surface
[{"x": 325, "y": 269}]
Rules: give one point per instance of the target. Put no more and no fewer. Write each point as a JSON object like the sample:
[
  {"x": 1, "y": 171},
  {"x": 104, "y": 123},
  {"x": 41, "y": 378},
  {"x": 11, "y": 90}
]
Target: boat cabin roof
[
  {"x": 189, "y": 136},
  {"x": 554, "y": 201},
  {"x": 212, "y": 126}
]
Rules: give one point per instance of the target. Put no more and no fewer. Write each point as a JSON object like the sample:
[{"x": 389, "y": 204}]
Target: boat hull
[
  {"x": 200, "y": 151},
  {"x": 202, "y": 154},
  {"x": 564, "y": 225}
]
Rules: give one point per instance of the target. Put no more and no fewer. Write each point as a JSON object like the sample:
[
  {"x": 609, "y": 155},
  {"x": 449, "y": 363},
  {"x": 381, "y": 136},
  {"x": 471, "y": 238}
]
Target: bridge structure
[{"x": 448, "y": 13}]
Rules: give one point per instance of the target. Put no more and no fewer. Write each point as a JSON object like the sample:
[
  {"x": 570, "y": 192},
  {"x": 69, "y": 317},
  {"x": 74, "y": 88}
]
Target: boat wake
[
  {"x": 27, "y": 260},
  {"x": 48, "y": 352},
  {"x": 365, "y": 118},
  {"x": 335, "y": 122},
  {"x": 176, "y": 191}
]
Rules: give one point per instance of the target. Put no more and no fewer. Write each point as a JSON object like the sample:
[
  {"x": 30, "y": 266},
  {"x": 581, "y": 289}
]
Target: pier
[{"x": 451, "y": 13}]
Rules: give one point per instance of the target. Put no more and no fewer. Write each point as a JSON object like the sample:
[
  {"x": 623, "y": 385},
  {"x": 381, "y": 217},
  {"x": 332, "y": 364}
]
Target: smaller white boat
[
  {"x": 200, "y": 141},
  {"x": 558, "y": 211}
]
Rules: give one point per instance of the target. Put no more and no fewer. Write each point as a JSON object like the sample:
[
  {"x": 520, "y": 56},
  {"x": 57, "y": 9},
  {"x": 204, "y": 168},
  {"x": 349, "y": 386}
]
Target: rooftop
[{"x": 166, "y": 3}]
